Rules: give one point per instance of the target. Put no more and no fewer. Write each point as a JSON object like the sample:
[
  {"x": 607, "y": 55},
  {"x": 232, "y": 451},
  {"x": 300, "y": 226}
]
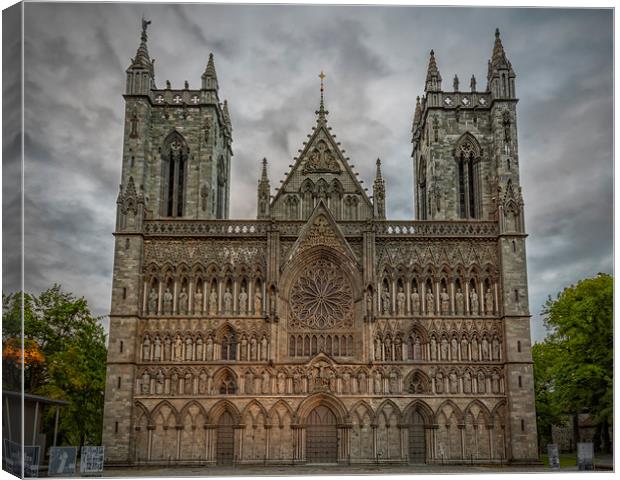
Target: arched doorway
[
  {"x": 225, "y": 446},
  {"x": 417, "y": 438},
  {"x": 321, "y": 436}
]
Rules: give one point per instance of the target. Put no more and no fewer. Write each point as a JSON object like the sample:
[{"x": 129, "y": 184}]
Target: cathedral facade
[{"x": 321, "y": 332}]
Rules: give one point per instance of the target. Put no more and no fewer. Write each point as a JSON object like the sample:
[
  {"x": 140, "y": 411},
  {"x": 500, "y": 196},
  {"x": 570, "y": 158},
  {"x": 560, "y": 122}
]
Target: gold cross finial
[{"x": 321, "y": 76}]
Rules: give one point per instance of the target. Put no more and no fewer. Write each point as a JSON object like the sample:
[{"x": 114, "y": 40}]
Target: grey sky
[{"x": 267, "y": 60}]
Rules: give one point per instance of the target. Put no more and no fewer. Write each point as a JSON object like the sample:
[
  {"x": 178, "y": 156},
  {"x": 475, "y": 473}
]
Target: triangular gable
[
  {"x": 321, "y": 159},
  {"x": 321, "y": 230}
]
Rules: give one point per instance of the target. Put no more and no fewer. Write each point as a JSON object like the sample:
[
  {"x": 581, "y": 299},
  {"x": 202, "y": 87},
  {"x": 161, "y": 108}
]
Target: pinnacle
[
  {"x": 225, "y": 113},
  {"x": 498, "y": 59},
  {"x": 210, "y": 69},
  {"x": 378, "y": 176},
  {"x": 432, "y": 71},
  {"x": 142, "y": 58}
]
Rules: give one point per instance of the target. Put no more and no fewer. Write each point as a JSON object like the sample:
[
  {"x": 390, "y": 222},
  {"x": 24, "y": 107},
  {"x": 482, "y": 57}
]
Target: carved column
[
  {"x": 179, "y": 428},
  {"x": 481, "y": 299},
  {"x": 149, "y": 429},
  {"x": 159, "y": 297},
  {"x": 374, "y": 440},
  {"x": 423, "y": 298},
  {"x": 462, "y": 432},
  {"x": 145, "y": 299},
  {"x": 467, "y": 310},
  {"x": 408, "y": 294},
  {"x": 174, "y": 296},
  {"x": 190, "y": 296},
  {"x": 452, "y": 291}
]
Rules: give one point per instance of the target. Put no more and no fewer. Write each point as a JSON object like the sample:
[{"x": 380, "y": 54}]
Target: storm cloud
[{"x": 268, "y": 59}]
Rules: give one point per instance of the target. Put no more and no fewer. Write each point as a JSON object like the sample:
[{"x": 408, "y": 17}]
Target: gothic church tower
[{"x": 466, "y": 167}]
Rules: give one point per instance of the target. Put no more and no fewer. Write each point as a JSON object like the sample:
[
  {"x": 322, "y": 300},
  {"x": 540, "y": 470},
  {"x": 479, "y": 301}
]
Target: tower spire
[
  {"x": 321, "y": 112},
  {"x": 264, "y": 193},
  {"x": 500, "y": 76},
  {"x": 498, "y": 59},
  {"x": 378, "y": 192},
  {"x": 433, "y": 77},
  {"x": 142, "y": 58},
  {"x": 140, "y": 65},
  {"x": 209, "y": 77}
]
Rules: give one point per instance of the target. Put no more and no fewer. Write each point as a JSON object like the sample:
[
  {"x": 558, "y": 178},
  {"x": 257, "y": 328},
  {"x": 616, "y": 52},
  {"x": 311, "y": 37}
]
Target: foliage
[
  {"x": 574, "y": 365},
  {"x": 64, "y": 358}
]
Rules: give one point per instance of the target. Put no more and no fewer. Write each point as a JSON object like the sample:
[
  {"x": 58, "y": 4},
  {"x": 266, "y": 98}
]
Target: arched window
[
  {"x": 222, "y": 175},
  {"x": 228, "y": 385},
  {"x": 175, "y": 173},
  {"x": 229, "y": 345},
  {"x": 467, "y": 156},
  {"x": 422, "y": 189}
]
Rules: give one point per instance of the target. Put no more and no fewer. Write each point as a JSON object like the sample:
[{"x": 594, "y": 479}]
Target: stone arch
[
  {"x": 313, "y": 401},
  {"x": 189, "y": 404},
  {"x": 423, "y": 408},
  {"x": 468, "y": 142},
  {"x": 141, "y": 410},
  {"x": 482, "y": 410},
  {"x": 223, "y": 376},
  {"x": 354, "y": 411},
  {"x": 262, "y": 409},
  {"x": 417, "y": 382},
  {"x": 274, "y": 409},
  {"x": 383, "y": 406},
  {"x": 224, "y": 406},
  {"x": 455, "y": 408},
  {"x": 161, "y": 405}
]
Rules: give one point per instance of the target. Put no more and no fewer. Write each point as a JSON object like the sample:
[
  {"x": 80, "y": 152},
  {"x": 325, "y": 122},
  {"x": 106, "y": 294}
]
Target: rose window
[{"x": 321, "y": 297}]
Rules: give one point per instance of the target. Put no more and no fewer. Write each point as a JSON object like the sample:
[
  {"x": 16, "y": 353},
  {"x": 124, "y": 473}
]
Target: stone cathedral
[{"x": 320, "y": 332}]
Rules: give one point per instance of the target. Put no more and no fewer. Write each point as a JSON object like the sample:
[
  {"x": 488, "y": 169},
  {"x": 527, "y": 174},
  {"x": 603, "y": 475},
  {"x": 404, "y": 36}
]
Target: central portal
[{"x": 321, "y": 436}]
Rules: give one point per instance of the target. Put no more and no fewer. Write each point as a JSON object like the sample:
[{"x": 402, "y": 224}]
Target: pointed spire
[
  {"x": 321, "y": 112},
  {"x": 142, "y": 58},
  {"x": 433, "y": 77},
  {"x": 472, "y": 83},
  {"x": 455, "y": 83},
  {"x": 418, "y": 112},
  {"x": 226, "y": 114},
  {"x": 209, "y": 77},
  {"x": 378, "y": 192},
  {"x": 263, "y": 176},
  {"x": 498, "y": 59}
]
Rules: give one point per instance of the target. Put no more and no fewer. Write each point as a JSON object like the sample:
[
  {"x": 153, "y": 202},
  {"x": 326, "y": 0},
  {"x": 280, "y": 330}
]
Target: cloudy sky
[{"x": 267, "y": 60}]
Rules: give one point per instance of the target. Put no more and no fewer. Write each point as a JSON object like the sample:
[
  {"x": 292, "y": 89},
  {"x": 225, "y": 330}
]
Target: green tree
[
  {"x": 68, "y": 359},
  {"x": 577, "y": 356}
]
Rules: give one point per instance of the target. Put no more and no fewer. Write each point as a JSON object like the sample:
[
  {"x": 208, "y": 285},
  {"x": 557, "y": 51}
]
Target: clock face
[
  {"x": 447, "y": 101},
  {"x": 482, "y": 101},
  {"x": 465, "y": 101}
]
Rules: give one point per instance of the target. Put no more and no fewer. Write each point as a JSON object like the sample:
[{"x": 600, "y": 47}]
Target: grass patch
[{"x": 566, "y": 459}]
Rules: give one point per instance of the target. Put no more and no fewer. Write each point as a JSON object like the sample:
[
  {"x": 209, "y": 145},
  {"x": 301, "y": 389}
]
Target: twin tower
[{"x": 177, "y": 152}]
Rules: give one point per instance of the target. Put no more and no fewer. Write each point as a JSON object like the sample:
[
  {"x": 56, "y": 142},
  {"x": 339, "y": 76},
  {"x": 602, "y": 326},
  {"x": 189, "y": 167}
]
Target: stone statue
[
  {"x": 213, "y": 302},
  {"x": 467, "y": 382},
  {"x": 183, "y": 302},
  {"x": 401, "y": 298},
  {"x": 464, "y": 353},
  {"x": 188, "y": 388},
  {"x": 178, "y": 349},
  {"x": 188, "y": 348},
  {"x": 474, "y": 348},
  {"x": 377, "y": 349},
  {"x": 488, "y": 303},
  {"x": 393, "y": 382},
  {"x": 445, "y": 302},
  {"x": 168, "y": 301},
  {"x": 433, "y": 348},
  {"x": 243, "y": 302},
  {"x": 146, "y": 348},
  {"x": 249, "y": 382},
  {"x": 296, "y": 382},
  {"x": 439, "y": 382},
  {"x": 459, "y": 301},
  {"x": 228, "y": 299},
  {"x": 346, "y": 382},
  {"x": 415, "y": 302},
  {"x": 368, "y": 305},
  {"x": 385, "y": 302},
  {"x": 152, "y": 303},
  {"x": 174, "y": 383},
  {"x": 430, "y": 302},
  {"x": 485, "y": 349},
  {"x": 253, "y": 348},
  {"x": 265, "y": 387},
  {"x": 199, "y": 348},
  {"x": 496, "y": 349},
  {"x": 387, "y": 351},
  {"x": 361, "y": 382},
  {"x": 258, "y": 303},
  {"x": 244, "y": 348},
  {"x": 159, "y": 386},
  {"x": 198, "y": 305},
  {"x": 378, "y": 382},
  {"x": 473, "y": 302},
  {"x": 209, "y": 348},
  {"x": 482, "y": 387},
  {"x": 454, "y": 383},
  {"x": 202, "y": 383},
  {"x": 444, "y": 348},
  {"x": 167, "y": 348},
  {"x": 495, "y": 382},
  {"x": 417, "y": 349},
  {"x": 281, "y": 383},
  {"x": 455, "y": 349},
  {"x": 146, "y": 383},
  {"x": 398, "y": 349},
  {"x": 157, "y": 349},
  {"x": 263, "y": 348}
]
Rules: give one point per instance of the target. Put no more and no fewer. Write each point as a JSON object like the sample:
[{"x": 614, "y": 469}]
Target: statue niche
[{"x": 321, "y": 160}]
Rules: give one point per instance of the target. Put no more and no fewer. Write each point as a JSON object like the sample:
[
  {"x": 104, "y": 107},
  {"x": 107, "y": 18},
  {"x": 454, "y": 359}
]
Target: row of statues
[
  {"x": 388, "y": 349},
  {"x": 212, "y": 306},
  {"x": 429, "y": 306},
  {"x": 171, "y": 348},
  {"x": 319, "y": 379}
]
